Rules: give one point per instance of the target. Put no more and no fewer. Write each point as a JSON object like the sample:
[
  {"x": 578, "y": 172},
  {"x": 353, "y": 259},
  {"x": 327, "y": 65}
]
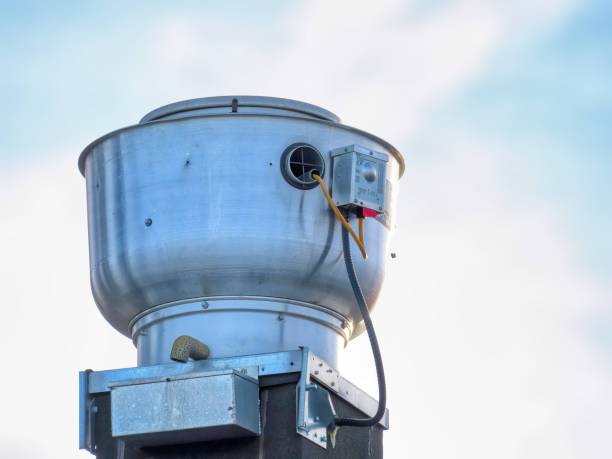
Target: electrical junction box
[
  {"x": 186, "y": 408},
  {"x": 359, "y": 177}
]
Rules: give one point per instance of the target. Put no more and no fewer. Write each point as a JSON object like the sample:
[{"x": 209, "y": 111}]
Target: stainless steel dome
[{"x": 194, "y": 229}]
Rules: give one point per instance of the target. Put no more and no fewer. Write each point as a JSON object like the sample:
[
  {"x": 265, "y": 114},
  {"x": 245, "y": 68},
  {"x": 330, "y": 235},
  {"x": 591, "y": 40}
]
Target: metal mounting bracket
[{"x": 315, "y": 410}]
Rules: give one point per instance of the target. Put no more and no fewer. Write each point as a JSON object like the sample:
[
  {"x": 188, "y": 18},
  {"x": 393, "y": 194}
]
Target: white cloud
[
  {"x": 178, "y": 42},
  {"x": 51, "y": 327},
  {"x": 370, "y": 64}
]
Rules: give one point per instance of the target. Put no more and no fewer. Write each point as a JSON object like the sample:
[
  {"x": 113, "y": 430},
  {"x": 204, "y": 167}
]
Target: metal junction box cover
[
  {"x": 359, "y": 177},
  {"x": 188, "y": 409}
]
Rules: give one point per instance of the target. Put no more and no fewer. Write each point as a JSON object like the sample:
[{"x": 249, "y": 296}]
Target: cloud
[
  {"x": 51, "y": 327},
  {"x": 382, "y": 68},
  {"x": 368, "y": 63}
]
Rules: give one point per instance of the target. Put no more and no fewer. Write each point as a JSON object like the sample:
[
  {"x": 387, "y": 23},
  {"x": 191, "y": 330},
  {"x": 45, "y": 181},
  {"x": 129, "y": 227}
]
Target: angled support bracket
[{"x": 315, "y": 410}]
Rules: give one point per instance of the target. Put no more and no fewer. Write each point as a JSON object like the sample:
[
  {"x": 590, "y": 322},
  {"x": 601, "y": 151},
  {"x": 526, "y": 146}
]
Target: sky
[{"x": 495, "y": 321}]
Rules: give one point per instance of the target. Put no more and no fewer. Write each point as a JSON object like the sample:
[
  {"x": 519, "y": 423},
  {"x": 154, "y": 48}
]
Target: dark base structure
[
  {"x": 265, "y": 406},
  {"x": 278, "y": 438}
]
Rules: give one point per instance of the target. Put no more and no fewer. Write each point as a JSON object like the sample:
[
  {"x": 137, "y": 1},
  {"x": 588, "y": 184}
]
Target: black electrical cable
[{"x": 380, "y": 372}]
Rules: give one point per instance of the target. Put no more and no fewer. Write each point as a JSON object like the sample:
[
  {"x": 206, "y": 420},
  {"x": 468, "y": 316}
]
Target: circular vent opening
[{"x": 298, "y": 162}]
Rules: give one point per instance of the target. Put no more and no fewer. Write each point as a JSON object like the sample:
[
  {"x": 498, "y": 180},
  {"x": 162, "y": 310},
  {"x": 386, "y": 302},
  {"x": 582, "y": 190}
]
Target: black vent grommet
[{"x": 298, "y": 162}]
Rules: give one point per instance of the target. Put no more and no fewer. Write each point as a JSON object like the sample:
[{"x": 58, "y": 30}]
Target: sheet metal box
[
  {"x": 359, "y": 177},
  {"x": 186, "y": 409}
]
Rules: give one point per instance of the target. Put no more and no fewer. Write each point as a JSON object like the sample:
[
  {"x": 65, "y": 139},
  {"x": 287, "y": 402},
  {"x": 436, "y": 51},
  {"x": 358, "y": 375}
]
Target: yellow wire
[
  {"x": 361, "y": 230},
  {"x": 339, "y": 215}
]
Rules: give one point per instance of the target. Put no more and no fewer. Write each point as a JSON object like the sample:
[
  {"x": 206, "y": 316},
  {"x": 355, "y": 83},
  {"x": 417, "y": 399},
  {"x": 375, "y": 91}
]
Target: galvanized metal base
[{"x": 297, "y": 394}]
